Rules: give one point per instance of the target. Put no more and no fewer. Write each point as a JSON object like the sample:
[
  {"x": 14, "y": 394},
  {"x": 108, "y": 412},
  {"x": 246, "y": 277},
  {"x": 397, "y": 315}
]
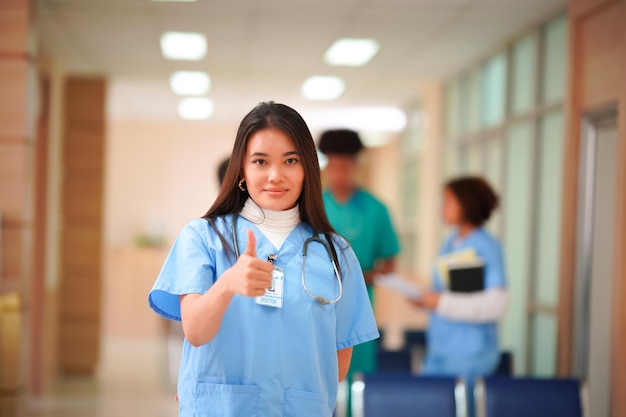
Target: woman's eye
[
  {"x": 259, "y": 162},
  {"x": 292, "y": 161}
]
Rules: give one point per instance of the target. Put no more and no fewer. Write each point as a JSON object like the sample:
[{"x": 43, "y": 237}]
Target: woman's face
[
  {"x": 451, "y": 209},
  {"x": 273, "y": 170}
]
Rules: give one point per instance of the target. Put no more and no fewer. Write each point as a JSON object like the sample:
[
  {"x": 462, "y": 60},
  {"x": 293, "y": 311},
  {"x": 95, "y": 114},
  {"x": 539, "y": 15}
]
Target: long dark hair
[{"x": 270, "y": 115}]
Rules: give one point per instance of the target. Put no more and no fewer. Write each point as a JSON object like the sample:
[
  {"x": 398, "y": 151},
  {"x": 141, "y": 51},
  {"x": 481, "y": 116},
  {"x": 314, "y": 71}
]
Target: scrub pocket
[
  {"x": 222, "y": 400},
  {"x": 300, "y": 403}
]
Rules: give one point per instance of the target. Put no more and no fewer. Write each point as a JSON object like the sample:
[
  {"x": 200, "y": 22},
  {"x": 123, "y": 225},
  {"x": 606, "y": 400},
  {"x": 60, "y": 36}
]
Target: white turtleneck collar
[{"x": 275, "y": 225}]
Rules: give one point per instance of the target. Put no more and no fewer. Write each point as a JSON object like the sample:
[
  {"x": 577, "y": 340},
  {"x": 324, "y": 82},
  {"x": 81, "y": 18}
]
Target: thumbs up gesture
[{"x": 249, "y": 276}]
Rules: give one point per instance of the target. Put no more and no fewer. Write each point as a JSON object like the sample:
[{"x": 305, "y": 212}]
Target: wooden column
[
  {"x": 16, "y": 149},
  {"x": 597, "y": 78},
  {"x": 81, "y": 234}
]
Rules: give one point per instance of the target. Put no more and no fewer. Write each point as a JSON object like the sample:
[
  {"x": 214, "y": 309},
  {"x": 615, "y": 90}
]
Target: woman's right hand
[{"x": 250, "y": 276}]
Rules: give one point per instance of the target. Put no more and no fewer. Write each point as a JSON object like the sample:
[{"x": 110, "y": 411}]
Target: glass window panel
[
  {"x": 523, "y": 75},
  {"x": 473, "y": 100},
  {"x": 474, "y": 159},
  {"x": 463, "y": 105},
  {"x": 554, "y": 61},
  {"x": 453, "y": 98},
  {"x": 409, "y": 249},
  {"x": 451, "y": 165},
  {"x": 543, "y": 346},
  {"x": 517, "y": 210},
  {"x": 493, "y": 91},
  {"x": 493, "y": 173},
  {"x": 409, "y": 191},
  {"x": 549, "y": 208}
]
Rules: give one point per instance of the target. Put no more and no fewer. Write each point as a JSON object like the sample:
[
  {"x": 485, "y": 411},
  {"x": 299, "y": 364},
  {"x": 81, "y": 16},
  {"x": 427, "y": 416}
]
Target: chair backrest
[
  {"x": 415, "y": 338},
  {"x": 505, "y": 365},
  {"x": 524, "y": 397},
  {"x": 402, "y": 395},
  {"x": 394, "y": 360}
]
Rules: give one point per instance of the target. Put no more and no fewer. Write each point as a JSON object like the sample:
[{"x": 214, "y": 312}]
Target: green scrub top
[{"x": 365, "y": 222}]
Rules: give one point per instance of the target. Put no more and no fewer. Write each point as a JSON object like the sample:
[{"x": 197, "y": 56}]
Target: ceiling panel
[{"x": 260, "y": 49}]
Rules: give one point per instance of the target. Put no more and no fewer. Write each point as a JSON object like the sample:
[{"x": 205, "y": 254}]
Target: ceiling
[{"x": 264, "y": 49}]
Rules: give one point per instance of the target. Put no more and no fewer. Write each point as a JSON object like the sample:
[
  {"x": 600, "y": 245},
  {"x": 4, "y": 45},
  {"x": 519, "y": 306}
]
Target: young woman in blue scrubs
[
  {"x": 265, "y": 339},
  {"x": 463, "y": 327}
]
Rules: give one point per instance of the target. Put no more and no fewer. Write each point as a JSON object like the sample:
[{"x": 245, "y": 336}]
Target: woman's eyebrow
[{"x": 266, "y": 155}]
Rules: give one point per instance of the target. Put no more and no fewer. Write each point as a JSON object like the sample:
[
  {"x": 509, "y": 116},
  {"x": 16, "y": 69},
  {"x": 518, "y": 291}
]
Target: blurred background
[{"x": 114, "y": 115}]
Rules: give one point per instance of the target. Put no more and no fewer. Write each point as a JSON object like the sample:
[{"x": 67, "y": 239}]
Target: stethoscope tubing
[{"x": 314, "y": 238}]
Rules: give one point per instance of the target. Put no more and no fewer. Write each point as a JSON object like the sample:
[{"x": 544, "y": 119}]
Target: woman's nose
[{"x": 275, "y": 174}]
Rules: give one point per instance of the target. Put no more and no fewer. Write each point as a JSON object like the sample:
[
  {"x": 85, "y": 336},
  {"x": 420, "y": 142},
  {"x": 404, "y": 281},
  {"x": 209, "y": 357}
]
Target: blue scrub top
[
  {"x": 463, "y": 340},
  {"x": 265, "y": 361}
]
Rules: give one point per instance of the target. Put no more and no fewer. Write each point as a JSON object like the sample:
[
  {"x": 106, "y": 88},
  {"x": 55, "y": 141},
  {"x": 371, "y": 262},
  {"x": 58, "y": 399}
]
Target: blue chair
[
  {"x": 414, "y": 338},
  {"x": 505, "y": 366},
  {"x": 401, "y": 395},
  {"x": 394, "y": 361},
  {"x": 524, "y": 397}
]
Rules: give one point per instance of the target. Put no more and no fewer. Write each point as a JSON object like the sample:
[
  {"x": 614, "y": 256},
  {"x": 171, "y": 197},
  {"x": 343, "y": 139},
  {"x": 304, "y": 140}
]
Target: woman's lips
[{"x": 276, "y": 192}]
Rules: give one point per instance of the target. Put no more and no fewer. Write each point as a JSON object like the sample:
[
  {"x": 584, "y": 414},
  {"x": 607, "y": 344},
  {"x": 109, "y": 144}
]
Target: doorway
[{"x": 595, "y": 254}]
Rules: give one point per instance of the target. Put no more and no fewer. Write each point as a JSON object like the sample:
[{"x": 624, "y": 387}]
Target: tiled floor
[{"x": 132, "y": 381}]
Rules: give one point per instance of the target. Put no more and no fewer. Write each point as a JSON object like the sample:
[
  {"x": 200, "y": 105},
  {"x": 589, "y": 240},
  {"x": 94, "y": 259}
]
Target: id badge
[{"x": 273, "y": 296}]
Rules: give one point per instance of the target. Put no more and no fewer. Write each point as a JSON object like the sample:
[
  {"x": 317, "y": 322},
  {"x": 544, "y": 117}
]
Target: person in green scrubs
[{"x": 360, "y": 218}]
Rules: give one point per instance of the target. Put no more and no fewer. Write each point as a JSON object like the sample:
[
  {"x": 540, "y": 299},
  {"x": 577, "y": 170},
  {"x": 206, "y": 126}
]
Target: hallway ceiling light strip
[
  {"x": 185, "y": 46},
  {"x": 190, "y": 83},
  {"x": 351, "y": 52},
  {"x": 195, "y": 108},
  {"x": 323, "y": 88}
]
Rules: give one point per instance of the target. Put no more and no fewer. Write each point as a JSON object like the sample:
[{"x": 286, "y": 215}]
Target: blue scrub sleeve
[
  {"x": 389, "y": 245},
  {"x": 188, "y": 269},
  {"x": 494, "y": 266},
  {"x": 354, "y": 316},
  {"x": 444, "y": 249}
]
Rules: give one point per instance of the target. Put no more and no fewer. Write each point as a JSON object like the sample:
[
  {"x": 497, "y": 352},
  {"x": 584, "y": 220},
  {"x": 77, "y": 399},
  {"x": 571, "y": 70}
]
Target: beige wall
[{"x": 159, "y": 175}]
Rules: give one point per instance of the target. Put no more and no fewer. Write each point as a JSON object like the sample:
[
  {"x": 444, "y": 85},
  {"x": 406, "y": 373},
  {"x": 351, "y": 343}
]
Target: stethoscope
[{"x": 314, "y": 238}]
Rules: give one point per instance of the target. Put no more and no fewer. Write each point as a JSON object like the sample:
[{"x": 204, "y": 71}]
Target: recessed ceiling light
[
  {"x": 322, "y": 88},
  {"x": 351, "y": 52},
  {"x": 363, "y": 119},
  {"x": 186, "y": 46},
  {"x": 190, "y": 83},
  {"x": 195, "y": 108}
]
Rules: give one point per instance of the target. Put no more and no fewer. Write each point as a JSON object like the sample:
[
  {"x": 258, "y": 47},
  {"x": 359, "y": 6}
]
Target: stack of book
[{"x": 462, "y": 271}]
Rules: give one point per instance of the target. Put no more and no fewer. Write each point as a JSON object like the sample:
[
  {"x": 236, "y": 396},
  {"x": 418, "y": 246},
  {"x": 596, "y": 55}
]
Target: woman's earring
[{"x": 241, "y": 185}]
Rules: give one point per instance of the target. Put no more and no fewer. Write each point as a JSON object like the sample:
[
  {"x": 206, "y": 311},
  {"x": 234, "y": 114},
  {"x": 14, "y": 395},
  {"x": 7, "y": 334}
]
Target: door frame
[{"x": 592, "y": 122}]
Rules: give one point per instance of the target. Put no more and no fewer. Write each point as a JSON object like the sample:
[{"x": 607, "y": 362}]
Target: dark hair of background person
[
  {"x": 270, "y": 115},
  {"x": 221, "y": 170},
  {"x": 476, "y": 197},
  {"x": 343, "y": 142}
]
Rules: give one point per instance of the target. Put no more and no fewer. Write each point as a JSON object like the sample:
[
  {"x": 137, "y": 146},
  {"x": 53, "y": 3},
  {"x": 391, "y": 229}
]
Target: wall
[
  {"x": 159, "y": 175},
  {"x": 597, "y": 78}
]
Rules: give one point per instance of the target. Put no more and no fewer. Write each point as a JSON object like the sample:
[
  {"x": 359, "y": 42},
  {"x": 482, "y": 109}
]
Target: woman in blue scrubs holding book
[
  {"x": 271, "y": 299},
  {"x": 462, "y": 333}
]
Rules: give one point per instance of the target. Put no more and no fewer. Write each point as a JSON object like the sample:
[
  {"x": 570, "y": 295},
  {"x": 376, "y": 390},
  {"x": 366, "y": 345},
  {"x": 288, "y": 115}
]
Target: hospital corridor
[{"x": 329, "y": 208}]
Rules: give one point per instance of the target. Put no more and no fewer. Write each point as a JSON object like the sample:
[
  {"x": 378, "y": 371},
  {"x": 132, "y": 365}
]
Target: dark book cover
[{"x": 469, "y": 278}]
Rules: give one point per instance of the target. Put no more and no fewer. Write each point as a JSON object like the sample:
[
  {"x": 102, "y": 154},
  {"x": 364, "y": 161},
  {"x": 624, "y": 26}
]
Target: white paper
[{"x": 398, "y": 284}]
